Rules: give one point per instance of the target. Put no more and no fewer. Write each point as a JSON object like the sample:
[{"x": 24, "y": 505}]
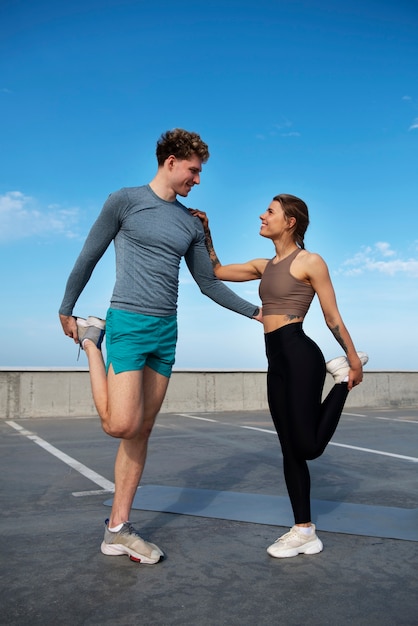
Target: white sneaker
[
  {"x": 340, "y": 367},
  {"x": 127, "y": 541},
  {"x": 295, "y": 542},
  {"x": 92, "y": 328}
]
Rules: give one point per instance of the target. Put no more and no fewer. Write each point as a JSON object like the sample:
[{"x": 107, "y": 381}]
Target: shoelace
[
  {"x": 289, "y": 536},
  {"x": 128, "y": 529}
]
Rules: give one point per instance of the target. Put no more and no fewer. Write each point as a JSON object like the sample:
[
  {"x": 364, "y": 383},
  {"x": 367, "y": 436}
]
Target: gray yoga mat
[{"x": 338, "y": 517}]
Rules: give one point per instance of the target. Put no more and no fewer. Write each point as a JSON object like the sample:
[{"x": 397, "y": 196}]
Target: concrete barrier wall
[{"x": 30, "y": 393}]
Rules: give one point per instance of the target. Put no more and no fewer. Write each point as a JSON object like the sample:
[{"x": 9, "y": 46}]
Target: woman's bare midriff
[{"x": 273, "y": 322}]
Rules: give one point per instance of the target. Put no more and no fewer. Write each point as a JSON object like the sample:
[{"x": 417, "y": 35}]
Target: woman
[{"x": 296, "y": 366}]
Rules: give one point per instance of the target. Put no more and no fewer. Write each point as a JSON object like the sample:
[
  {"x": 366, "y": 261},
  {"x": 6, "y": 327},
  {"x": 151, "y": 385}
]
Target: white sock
[
  {"x": 306, "y": 530},
  {"x": 116, "y": 529}
]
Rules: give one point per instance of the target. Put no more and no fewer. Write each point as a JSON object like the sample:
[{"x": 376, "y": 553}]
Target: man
[{"x": 151, "y": 231}]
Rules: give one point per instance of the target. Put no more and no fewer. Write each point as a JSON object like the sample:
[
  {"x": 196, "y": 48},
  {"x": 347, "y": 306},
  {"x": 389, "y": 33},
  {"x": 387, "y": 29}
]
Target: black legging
[{"x": 304, "y": 424}]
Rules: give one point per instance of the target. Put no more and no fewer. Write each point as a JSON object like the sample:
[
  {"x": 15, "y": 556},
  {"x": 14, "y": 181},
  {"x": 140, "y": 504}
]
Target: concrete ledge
[{"x": 65, "y": 392}]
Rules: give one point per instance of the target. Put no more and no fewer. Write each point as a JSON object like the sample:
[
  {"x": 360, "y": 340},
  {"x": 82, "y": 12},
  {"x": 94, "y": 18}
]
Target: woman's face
[{"x": 273, "y": 221}]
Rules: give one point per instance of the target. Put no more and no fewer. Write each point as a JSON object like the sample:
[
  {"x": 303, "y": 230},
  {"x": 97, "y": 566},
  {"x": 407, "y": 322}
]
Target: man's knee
[{"x": 128, "y": 429}]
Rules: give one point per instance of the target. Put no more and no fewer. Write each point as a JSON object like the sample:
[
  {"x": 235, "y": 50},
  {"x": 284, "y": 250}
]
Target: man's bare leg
[
  {"x": 118, "y": 397},
  {"x": 127, "y": 404},
  {"x": 132, "y": 453},
  {"x": 98, "y": 380}
]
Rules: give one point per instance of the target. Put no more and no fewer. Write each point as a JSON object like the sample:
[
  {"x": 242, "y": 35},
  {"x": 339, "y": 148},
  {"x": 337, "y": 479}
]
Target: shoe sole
[
  {"x": 83, "y": 330},
  {"x": 340, "y": 363},
  {"x": 314, "y": 548},
  {"x": 363, "y": 357},
  {"x": 118, "y": 549},
  {"x": 337, "y": 364},
  {"x": 96, "y": 321}
]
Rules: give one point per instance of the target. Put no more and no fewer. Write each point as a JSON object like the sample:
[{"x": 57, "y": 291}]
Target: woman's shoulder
[
  {"x": 306, "y": 256},
  {"x": 310, "y": 264}
]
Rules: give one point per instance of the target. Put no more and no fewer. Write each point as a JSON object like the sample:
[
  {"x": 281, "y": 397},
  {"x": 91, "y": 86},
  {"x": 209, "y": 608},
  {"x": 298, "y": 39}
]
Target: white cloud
[
  {"x": 283, "y": 126},
  {"x": 285, "y": 123},
  {"x": 379, "y": 258},
  {"x": 414, "y": 124},
  {"x": 279, "y": 129},
  {"x": 21, "y": 217},
  {"x": 384, "y": 248}
]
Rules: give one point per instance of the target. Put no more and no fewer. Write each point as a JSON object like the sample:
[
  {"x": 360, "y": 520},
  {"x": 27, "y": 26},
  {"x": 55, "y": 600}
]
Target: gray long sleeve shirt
[{"x": 150, "y": 237}]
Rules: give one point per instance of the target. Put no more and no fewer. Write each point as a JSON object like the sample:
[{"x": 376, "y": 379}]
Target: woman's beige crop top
[{"x": 283, "y": 294}]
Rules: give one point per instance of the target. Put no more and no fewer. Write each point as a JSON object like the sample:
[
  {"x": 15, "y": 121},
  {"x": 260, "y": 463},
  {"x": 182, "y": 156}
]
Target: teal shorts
[{"x": 134, "y": 340}]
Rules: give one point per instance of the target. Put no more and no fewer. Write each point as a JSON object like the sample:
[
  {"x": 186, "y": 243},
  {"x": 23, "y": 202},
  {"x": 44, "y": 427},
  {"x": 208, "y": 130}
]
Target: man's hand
[
  {"x": 259, "y": 316},
  {"x": 69, "y": 326}
]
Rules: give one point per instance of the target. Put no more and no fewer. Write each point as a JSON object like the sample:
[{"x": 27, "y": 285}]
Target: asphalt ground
[{"x": 55, "y": 479}]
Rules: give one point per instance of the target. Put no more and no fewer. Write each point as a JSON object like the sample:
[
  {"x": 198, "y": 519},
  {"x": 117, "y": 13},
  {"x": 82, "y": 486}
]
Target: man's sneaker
[
  {"x": 340, "y": 367},
  {"x": 295, "y": 542},
  {"x": 92, "y": 328},
  {"x": 127, "y": 541}
]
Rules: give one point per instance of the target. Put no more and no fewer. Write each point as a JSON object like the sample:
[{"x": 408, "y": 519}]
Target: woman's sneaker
[
  {"x": 295, "y": 542},
  {"x": 92, "y": 328},
  {"x": 127, "y": 541},
  {"x": 339, "y": 367}
]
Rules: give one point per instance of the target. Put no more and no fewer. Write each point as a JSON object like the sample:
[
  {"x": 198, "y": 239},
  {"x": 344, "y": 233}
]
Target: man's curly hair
[{"x": 182, "y": 144}]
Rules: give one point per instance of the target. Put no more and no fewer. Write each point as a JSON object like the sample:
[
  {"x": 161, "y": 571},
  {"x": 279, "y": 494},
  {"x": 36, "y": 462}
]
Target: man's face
[{"x": 184, "y": 174}]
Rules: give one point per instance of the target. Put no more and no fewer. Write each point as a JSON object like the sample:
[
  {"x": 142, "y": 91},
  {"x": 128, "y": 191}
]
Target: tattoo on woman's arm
[
  {"x": 212, "y": 254},
  {"x": 336, "y": 332}
]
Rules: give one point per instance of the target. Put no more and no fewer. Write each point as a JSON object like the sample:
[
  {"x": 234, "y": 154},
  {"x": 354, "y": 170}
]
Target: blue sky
[{"x": 314, "y": 98}]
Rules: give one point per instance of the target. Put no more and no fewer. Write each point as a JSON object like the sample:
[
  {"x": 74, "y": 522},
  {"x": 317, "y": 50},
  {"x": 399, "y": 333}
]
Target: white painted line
[
  {"x": 331, "y": 443},
  {"x": 194, "y": 417},
  {"x": 261, "y": 430},
  {"x": 343, "y": 445},
  {"x": 79, "y": 467},
  {"x": 395, "y": 456},
  {"x": 397, "y": 419},
  {"x": 96, "y": 492}
]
